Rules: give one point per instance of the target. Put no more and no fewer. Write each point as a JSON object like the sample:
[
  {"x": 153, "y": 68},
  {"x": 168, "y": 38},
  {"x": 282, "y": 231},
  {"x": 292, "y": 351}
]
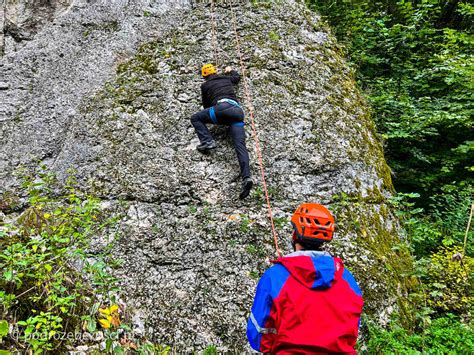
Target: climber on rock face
[
  {"x": 221, "y": 107},
  {"x": 307, "y": 302}
]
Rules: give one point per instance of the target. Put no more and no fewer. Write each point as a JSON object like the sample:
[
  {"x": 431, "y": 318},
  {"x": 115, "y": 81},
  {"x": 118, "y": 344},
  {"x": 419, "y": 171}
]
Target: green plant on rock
[
  {"x": 210, "y": 350},
  {"x": 273, "y": 36},
  {"x": 280, "y": 222},
  {"x": 245, "y": 223},
  {"x": 257, "y": 193},
  {"x": 192, "y": 209},
  {"x": 254, "y": 274},
  {"x": 255, "y": 250},
  {"x": 51, "y": 284},
  {"x": 150, "y": 348}
]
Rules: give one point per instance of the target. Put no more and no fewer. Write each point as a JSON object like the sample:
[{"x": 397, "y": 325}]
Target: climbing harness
[
  {"x": 236, "y": 104},
  {"x": 229, "y": 101},
  {"x": 212, "y": 114},
  {"x": 248, "y": 99}
]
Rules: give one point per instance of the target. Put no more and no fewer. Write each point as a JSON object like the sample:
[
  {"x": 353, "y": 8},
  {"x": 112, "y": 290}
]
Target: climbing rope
[
  {"x": 214, "y": 34},
  {"x": 248, "y": 99}
]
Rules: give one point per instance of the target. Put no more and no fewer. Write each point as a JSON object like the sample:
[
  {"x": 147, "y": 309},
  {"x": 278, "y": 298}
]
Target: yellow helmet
[{"x": 208, "y": 69}]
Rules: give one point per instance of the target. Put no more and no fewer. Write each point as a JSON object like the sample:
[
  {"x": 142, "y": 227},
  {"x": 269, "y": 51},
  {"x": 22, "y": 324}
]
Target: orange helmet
[{"x": 312, "y": 223}]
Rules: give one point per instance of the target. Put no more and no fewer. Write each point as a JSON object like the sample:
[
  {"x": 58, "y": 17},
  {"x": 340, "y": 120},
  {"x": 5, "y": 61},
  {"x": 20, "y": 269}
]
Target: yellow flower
[
  {"x": 105, "y": 311},
  {"x": 109, "y": 310},
  {"x": 104, "y": 323},
  {"x": 111, "y": 315}
]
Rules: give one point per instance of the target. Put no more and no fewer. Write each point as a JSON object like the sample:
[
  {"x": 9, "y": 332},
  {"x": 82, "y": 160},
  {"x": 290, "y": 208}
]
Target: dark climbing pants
[{"x": 225, "y": 114}]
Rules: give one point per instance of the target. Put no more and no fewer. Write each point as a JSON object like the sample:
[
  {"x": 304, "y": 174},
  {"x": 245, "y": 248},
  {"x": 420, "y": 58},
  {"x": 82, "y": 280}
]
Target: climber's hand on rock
[{"x": 227, "y": 70}]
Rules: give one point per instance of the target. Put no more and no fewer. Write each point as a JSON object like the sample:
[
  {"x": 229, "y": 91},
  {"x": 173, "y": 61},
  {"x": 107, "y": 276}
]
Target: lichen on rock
[{"x": 111, "y": 94}]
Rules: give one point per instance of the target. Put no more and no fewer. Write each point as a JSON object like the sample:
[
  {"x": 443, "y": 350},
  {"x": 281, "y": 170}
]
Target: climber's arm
[
  {"x": 233, "y": 74},
  {"x": 234, "y": 77}
]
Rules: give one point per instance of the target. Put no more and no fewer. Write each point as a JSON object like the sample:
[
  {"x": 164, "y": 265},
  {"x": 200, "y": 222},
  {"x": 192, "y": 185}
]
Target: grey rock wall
[
  {"x": 22, "y": 19},
  {"x": 107, "y": 88},
  {"x": 2, "y": 28}
]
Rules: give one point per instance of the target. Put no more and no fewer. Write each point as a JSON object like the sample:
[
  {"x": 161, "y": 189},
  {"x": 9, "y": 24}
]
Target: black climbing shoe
[
  {"x": 246, "y": 187},
  {"x": 204, "y": 147}
]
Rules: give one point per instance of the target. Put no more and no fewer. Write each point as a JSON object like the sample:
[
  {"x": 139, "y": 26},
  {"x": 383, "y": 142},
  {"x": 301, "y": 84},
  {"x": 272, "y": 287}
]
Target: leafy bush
[
  {"x": 414, "y": 62},
  {"x": 445, "y": 335},
  {"x": 444, "y": 225},
  {"x": 52, "y": 287},
  {"x": 43, "y": 290},
  {"x": 449, "y": 281}
]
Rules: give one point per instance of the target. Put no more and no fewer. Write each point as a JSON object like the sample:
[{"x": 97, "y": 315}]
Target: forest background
[{"x": 413, "y": 61}]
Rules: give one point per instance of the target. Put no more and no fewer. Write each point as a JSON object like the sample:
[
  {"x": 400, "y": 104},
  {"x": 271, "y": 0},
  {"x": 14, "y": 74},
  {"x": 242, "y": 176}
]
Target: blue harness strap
[
  {"x": 236, "y": 104},
  {"x": 212, "y": 114},
  {"x": 230, "y": 101}
]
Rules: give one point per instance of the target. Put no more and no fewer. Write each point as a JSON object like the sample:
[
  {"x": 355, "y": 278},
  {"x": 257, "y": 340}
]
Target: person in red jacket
[{"x": 307, "y": 302}]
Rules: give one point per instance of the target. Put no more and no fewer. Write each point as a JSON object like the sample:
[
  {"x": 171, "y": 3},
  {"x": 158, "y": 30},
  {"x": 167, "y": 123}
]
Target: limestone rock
[{"x": 20, "y": 20}]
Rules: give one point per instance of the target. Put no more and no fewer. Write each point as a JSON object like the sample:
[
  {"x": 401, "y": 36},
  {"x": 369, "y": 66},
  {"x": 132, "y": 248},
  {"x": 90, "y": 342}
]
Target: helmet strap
[{"x": 297, "y": 233}]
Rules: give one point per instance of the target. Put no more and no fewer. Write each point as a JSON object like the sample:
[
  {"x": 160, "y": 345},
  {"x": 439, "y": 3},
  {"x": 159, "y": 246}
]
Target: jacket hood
[{"x": 313, "y": 269}]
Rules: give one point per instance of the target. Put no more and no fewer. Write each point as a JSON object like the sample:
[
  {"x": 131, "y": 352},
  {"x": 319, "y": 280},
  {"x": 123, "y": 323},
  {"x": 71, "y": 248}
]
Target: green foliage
[
  {"x": 254, "y": 275},
  {"x": 443, "y": 226},
  {"x": 150, "y": 348},
  {"x": 51, "y": 285},
  {"x": 40, "y": 330},
  {"x": 245, "y": 223},
  {"x": 414, "y": 61},
  {"x": 273, "y": 36},
  {"x": 449, "y": 281},
  {"x": 41, "y": 284},
  {"x": 443, "y": 299},
  {"x": 445, "y": 335},
  {"x": 210, "y": 350},
  {"x": 3, "y": 329}
]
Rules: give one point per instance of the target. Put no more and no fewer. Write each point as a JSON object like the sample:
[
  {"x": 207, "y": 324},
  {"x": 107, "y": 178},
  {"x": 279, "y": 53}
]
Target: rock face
[
  {"x": 108, "y": 88},
  {"x": 20, "y": 20}
]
